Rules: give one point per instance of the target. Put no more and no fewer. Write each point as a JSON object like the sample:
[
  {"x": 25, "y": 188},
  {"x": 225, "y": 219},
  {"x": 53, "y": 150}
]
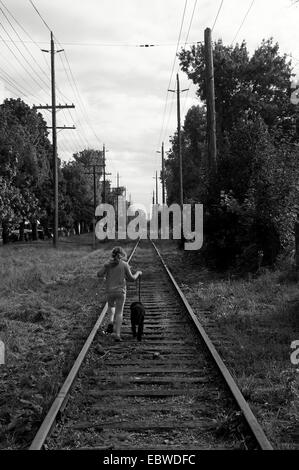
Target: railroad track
[{"x": 171, "y": 391}]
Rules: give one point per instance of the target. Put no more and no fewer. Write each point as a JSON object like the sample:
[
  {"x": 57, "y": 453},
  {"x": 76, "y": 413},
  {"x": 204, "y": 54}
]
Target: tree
[
  {"x": 78, "y": 190},
  {"x": 11, "y": 202},
  {"x": 245, "y": 86},
  {"x": 25, "y": 154},
  {"x": 194, "y": 158},
  {"x": 251, "y": 203}
]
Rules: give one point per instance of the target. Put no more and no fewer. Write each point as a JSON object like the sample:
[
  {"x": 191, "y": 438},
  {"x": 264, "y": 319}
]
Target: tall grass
[{"x": 28, "y": 268}]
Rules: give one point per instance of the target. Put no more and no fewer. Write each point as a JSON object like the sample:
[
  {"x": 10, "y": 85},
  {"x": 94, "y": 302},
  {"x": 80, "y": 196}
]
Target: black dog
[{"x": 137, "y": 319}]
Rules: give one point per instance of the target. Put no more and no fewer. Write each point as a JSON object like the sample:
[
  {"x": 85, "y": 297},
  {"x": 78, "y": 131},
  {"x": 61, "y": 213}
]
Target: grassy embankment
[
  {"x": 49, "y": 301},
  {"x": 252, "y": 323}
]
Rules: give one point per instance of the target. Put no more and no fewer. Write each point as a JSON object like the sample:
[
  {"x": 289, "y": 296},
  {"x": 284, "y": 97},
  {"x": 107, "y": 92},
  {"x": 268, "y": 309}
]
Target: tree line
[
  {"x": 251, "y": 202},
  {"x": 26, "y": 176}
]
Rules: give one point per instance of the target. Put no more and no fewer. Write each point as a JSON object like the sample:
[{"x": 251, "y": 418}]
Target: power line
[
  {"x": 172, "y": 70},
  {"x": 71, "y": 79},
  {"x": 45, "y": 23},
  {"x": 24, "y": 45},
  {"x": 12, "y": 92},
  {"x": 76, "y": 134},
  {"x": 99, "y": 44},
  {"x": 190, "y": 24},
  {"x": 71, "y": 135},
  {"x": 24, "y": 58},
  {"x": 31, "y": 41},
  {"x": 76, "y": 92},
  {"x": 81, "y": 103},
  {"x": 189, "y": 81},
  {"x": 40, "y": 15},
  {"x": 9, "y": 82},
  {"x": 76, "y": 87},
  {"x": 23, "y": 90},
  {"x": 243, "y": 21},
  {"x": 218, "y": 12}
]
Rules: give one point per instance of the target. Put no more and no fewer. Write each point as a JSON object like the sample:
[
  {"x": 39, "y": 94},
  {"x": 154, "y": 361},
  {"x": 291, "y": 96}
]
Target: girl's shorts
[{"x": 117, "y": 298}]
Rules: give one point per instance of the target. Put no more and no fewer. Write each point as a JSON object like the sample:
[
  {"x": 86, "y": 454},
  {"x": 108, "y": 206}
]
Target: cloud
[{"x": 122, "y": 89}]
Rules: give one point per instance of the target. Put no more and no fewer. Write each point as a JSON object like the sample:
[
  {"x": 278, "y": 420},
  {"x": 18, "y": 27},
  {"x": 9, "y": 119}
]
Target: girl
[{"x": 117, "y": 271}]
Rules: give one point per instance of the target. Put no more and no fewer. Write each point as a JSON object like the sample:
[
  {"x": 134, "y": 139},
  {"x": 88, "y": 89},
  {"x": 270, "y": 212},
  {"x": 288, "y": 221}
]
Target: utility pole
[
  {"x": 210, "y": 92},
  {"x": 117, "y": 191},
  {"x": 54, "y": 128},
  {"x": 94, "y": 174},
  {"x": 156, "y": 178},
  {"x": 54, "y": 137},
  {"x": 163, "y": 173},
  {"x": 153, "y": 201},
  {"x": 178, "y": 91},
  {"x": 94, "y": 206},
  {"x": 104, "y": 170},
  {"x": 179, "y": 142},
  {"x": 104, "y": 174},
  {"x": 94, "y": 190}
]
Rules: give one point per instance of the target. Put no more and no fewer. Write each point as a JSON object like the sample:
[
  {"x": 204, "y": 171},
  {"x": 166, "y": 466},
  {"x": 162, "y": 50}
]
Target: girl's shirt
[{"x": 116, "y": 275}]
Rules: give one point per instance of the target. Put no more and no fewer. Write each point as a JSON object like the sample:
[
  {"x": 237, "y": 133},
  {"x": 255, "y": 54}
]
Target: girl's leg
[
  {"x": 119, "y": 307},
  {"x": 110, "y": 314}
]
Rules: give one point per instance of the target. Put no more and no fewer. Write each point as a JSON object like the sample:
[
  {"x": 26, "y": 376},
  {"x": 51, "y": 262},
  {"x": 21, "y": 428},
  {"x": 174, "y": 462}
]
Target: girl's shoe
[{"x": 109, "y": 328}]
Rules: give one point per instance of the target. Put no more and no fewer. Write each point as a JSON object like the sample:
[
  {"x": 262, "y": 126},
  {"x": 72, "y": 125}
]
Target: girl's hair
[{"x": 117, "y": 253}]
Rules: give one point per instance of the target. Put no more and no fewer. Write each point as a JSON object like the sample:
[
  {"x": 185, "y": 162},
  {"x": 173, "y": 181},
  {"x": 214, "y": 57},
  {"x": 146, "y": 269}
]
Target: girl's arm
[{"x": 129, "y": 275}]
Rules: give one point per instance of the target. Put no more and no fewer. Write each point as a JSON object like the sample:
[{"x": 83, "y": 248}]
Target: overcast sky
[{"x": 122, "y": 88}]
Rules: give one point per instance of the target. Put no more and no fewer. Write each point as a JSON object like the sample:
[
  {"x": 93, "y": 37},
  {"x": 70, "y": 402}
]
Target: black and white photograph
[{"x": 149, "y": 230}]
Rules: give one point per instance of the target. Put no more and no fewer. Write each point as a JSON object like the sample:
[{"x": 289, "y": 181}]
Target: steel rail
[
  {"x": 62, "y": 396},
  {"x": 250, "y": 419}
]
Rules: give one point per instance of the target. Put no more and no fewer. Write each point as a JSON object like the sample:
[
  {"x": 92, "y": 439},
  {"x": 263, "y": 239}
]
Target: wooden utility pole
[
  {"x": 94, "y": 174},
  {"x": 156, "y": 178},
  {"x": 54, "y": 128},
  {"x": 178, "y": 91},
  {"x": 104, "y": 173},
  {"x": 117, "y": 193},
  {"x": 99, "y": 174},
  {"x": 210, "y": 92},
  {"x": 54, "y": 142},
  {"x": 163, "y": 175},
  {"x": 94, "y": 190},
  {"x": 179, "y": 141}
]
